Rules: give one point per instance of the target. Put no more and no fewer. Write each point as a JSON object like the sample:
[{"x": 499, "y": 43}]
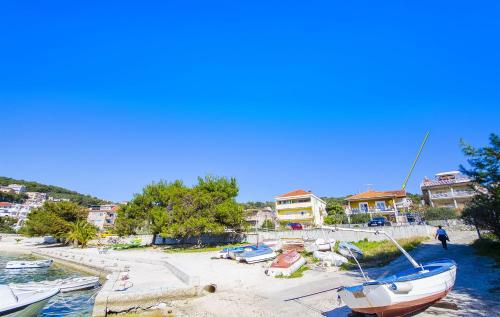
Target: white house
[
  {"x": 102, "y": 216},
  {"x": 301, "y": 206}
]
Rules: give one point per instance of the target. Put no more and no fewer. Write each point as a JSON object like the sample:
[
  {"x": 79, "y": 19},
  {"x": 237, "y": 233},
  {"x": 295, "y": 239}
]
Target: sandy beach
[{"x": 244, "y": 290}]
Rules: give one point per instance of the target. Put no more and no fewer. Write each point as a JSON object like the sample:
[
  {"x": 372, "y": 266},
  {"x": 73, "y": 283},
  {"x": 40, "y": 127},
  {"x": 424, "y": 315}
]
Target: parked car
[
  {"x": 378, "y": 221},
  {"x": 295, "y": 226}
]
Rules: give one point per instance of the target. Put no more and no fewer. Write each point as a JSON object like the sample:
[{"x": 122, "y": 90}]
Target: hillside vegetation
[{"x": 54, "y": 191}]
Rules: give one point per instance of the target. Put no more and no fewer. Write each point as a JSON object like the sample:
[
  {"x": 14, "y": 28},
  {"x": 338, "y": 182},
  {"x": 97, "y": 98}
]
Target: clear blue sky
[{"x": 325, "y": 96}]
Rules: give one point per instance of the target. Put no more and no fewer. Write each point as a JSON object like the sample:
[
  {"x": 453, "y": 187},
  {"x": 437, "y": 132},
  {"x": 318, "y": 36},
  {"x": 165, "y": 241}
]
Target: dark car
[
  {"x": 378, "y": 221},
  {"x": 295, "y": 226}
]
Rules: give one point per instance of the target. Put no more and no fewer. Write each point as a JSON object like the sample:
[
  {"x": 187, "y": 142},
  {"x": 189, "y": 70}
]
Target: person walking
[{"x": 442, "y": 236}]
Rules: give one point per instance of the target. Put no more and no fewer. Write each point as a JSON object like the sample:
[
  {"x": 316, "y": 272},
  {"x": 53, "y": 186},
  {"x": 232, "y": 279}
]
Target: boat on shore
[
  {"x": 256, "y": 254},
  {"x": 349, "y": 250},
  {"x": 65, "y": 285},
  {"x": 289, "y": 244},
  {"x": 28, "y": 264},
  {"x": 404, "y": 293},
  {"x": 330, "y": 258},
  {"x": 230, "y": 253},
  {"x": 286, "y": 264},
  {"x": 321, "y": 245},
  {"x": 24, "y": 303}
]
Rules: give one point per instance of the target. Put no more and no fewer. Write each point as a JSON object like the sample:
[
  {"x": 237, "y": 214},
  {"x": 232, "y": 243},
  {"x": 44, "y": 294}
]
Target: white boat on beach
[
  {"x": 286, "y": 264},
  {"x": 349, "y": 250},
  {"x": 331, "y": 258},
  {"x": 320, "y": 245},
  {"x": 28, "y": 264},
  {"x": 24, "y": 303},
  {"x": 65, "y": 285},
  {"x": 404, "y": 293}
]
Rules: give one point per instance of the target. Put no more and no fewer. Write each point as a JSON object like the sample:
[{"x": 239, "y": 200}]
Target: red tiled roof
[
  {"x": 4, "y": 204},
  {"x": 298, "y": 192},
  {"x": 371, "y": 194}
]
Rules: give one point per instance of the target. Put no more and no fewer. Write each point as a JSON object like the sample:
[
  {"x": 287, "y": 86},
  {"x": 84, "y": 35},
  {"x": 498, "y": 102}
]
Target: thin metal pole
[
  {"x": 406, "y": 254},
  {"x": 415, "y": 161}
]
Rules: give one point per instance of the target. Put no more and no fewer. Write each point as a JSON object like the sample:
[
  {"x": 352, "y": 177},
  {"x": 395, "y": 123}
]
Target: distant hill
[{"x": 54, "y": 191}]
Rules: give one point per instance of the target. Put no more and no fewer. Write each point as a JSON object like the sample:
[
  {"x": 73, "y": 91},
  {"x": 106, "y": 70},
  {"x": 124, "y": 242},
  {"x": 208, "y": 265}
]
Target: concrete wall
[
  {"x": 209, "y": 239},
  {"x": 313, "y": 234}
]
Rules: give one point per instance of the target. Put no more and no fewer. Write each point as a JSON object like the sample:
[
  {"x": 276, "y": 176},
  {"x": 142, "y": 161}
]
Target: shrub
[
  {"x": 439, "y": 213},
  {"x": 268, "y": 224},
  {"x": 360, "y": 218}
]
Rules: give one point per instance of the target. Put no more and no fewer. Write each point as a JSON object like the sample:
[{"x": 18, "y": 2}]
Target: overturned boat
[
  {"x": 65, "y": 285},
  {"x": 404, "y": 293},
  {"x": 28, "y": 264},
  {"x": 230, "y": 253},
  {"x": 289, "y": 244},
  {"x": 24, "y": 303},
  {"x": 350, "y": 250},
  {"x": 256, "y": 254},
  {"x": 320, "y": 245},
  {"x": 329, "y": 257},
  {"x": 286, "y": 264}
]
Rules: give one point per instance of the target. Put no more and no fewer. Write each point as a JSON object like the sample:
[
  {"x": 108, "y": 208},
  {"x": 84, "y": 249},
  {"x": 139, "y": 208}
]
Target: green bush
[
  {"x": 360, "y": 218},
  {"x": 439, "y": 213},
  {"x": 268, "y": 224}
]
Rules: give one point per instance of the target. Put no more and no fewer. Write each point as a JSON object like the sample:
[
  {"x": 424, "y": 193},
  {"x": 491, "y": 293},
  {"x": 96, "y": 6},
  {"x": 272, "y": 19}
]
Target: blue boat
[{"x": 255, "y": 254}]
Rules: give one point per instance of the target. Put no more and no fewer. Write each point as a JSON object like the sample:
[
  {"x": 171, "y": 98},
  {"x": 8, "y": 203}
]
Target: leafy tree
[
  {"x": 81, "y": 232},
  {"x": 175, "y": 210},
  {"x": 6, "y": 224},
  {"x": 13, "y": 198},
  {"x": 53, "y": 218},
  {"x": 54, "y": 191},
  {"x": 484, "y": 210},
  {"x": 439, "y": 213},
  {"x": 336, "y": 213},
  {"x": 268, "y": 224}
]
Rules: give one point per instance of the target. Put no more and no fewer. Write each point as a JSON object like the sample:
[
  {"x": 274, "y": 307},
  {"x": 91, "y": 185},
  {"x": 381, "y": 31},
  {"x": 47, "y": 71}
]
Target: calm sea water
[{"x": 64, "y": 304}]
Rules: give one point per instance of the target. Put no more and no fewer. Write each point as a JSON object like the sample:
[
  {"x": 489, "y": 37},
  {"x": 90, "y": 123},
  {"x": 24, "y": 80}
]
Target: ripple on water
[{"x": 64, "y": 304}]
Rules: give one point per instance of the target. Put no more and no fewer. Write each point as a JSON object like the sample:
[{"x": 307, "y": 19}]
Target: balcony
[
  {"x": 295, "y": 217},
  {"x": 370, "y": 210},
  {"x": 455, "y": 194},
  {"x": 294, "y": 205}
]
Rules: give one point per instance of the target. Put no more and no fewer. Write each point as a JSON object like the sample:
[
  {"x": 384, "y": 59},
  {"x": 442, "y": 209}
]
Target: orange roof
[
  {"x": 372, "y": 194},
  {"x": 298, "y": 192},
  {"x": 6, "y": 204}
]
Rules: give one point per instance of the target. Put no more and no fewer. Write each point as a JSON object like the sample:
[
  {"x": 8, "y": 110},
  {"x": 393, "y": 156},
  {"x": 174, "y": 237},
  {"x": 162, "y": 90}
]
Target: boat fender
[{"x": 401, "y": 288}]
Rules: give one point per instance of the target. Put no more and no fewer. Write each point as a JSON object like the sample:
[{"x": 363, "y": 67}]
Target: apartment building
[
  {"x": 388, "y": 203},
  {"x": 448, "y": 190},
  {"x": 256, "y": 217},
  {"x": 301, "y": 206},
  {"x": 102, "y": 216}
]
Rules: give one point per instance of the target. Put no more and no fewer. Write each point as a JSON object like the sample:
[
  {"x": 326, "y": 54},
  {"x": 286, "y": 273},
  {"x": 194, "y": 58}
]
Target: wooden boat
[
  {"x": 28, "y": 264},
  {"x": 286, "y": 264},
  {"x": 289, "y": 244},
  {"x": 349, "y": 250},
  {"x": 332, "y": 258},
  {"x": 65, "y": 285},
  {"x": 24, "y": 303},
  {"x": 256, "y": 254},
  {"x": 274, "y": 244},
  {"x": 403, "y": 294}
]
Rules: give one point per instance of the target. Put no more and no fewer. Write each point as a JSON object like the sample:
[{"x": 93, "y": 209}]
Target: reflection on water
[{"x": 64, "y": 304}]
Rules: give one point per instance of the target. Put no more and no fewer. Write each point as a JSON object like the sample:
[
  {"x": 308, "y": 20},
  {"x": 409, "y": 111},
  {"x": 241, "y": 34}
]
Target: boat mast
[
  {"x": 415, "y": 161},
  {"x": 406, "y": 254}
]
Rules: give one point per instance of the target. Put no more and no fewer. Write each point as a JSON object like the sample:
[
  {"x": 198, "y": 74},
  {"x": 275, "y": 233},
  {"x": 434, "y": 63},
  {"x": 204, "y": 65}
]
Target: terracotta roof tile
[
  {"x": 371, "y": 194},
  {"x": 298, "y": 192},
  {"x": 5, "y": 204}
]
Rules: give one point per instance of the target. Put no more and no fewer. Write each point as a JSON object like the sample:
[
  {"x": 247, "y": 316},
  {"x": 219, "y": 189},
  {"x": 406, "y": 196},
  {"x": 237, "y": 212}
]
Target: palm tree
[{"x": 81, "y": 232}]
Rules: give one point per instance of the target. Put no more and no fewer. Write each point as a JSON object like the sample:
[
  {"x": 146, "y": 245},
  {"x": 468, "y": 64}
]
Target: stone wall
[{"x": 313, "y": 234}]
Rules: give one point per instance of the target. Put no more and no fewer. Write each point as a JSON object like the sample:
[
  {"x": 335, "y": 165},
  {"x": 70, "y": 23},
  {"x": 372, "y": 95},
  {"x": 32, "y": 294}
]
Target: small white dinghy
[
  {"x": 24, "y": 303},
  {"x": 404, "y": 293},
  {"x": 332, "y": 258},
  {"x": 350, "y": 250},
  {"x": 321, "y": 245},
  {"x": 28, "y": 264},
  {"x": 65, "y": 285}
]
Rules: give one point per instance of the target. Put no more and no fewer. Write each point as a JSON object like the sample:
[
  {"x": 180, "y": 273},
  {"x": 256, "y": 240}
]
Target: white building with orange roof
[
  {"x": 301, "y": 206},
  {"x": 102, "y": 216},
  {"x": 388, "y": 202}
]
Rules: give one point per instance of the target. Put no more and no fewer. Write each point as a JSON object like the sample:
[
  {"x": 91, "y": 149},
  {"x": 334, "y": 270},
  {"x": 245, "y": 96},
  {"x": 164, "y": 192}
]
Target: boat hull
[
  {"x": 26, "y": 311},
  {"x": 257, "y": 258},
  {"x": 286, "y": 271},
  {"x": 400, "y": 298}
]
